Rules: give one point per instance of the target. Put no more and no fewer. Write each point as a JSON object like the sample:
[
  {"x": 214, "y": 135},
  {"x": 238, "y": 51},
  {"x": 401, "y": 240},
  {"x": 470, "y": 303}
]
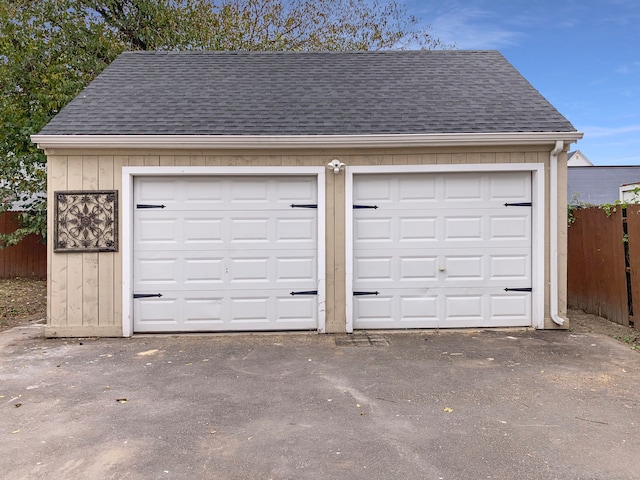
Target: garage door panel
[
  {"x": 381, "y": 230},
  {"x": 199, "y": 312},
  {"x": 196, "y": 311},
  {"x": 415, "y": 268},
  {"x": 455, "y": 190},
  {"x": 462, "y": 187},
  {"x": 464, "y": 306},
  {"x": 373, "y": 231},
  {"x": 157, "y": 191},
  {"x": 296, "y": 228},
  {"x": 268, "y": 310},
  {"x": 446, "y": 228},
  {"x": 202, "y": 230},
  {"x": 459, "y": 228},
  {"x": 294, "y": 270},
  {"x": 374, "y": 311},
  {"x": 295, "y": 231},
  {"x": 204, "y": 311},
  {"x": 442, "y": 308},
  {"x": 253, "y": 230},
  {"x": 294, "y": 190},
  {"x": 464, "y": 268},
  {"x": 512, "y": 187},
  {"x": 510, "y": 268},
  {"x": 296, "y": 309},
  {"x": 160, "y": 230},
  {"x": 242, "y": 193},
  {"x": 225, "y": 253},
  {"x": 386, "y": 191},
  {"x": 172, "y": 270},
  {"x": 157, "y": 270},
  {"x": 157, "y": 314},
  {"x": 204, "y": 269},
  {"x": 384, "y": 270},
  {"x": 510, "y": 228},
  {"x": 511, "y": 307}
]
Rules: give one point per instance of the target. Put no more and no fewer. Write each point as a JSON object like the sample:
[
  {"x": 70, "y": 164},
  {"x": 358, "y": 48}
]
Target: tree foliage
[{"x": 51, "y": 49}]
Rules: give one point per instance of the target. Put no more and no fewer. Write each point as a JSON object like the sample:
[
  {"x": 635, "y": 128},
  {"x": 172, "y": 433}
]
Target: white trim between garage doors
[
  {"x": 130, "y": 173},
  {"x": 537, "y": 227}
]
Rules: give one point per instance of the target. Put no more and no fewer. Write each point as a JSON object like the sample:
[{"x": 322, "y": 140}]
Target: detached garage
[{"x": 330, "y": 191}]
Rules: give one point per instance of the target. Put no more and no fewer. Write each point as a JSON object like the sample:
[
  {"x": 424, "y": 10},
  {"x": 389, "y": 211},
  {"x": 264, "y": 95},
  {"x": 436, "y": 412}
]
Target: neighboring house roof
[
  {"x": 308, "y": 93},
  {"x": 578, "y": 159},
  {"x": 597, "y": 185}
]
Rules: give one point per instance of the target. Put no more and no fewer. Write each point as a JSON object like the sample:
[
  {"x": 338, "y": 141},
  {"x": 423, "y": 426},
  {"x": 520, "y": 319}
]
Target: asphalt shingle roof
[{"x": 308, "y": 93}]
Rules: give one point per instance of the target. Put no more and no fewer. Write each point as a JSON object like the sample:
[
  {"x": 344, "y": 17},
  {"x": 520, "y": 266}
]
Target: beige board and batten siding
[{"x": 85, "y": 289}]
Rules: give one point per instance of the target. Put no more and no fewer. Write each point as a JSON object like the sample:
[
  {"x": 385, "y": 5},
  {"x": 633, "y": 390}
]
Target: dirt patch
[
  {"x": 22, "y": 301},
  {"x": 581, "y": 322}
]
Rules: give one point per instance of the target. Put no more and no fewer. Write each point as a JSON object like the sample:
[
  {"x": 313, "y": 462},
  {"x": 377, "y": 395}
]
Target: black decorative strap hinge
[
  {"x": 520, "y": 204},
  {"x": 365, "y": 293},
  {"x": 147, "y": 295},
  {"x": 518, "y": 289},
  {"x": 365, "y": 206},
  {"x": 307, "y": 292},
  {"x": 304, "y": 205},
  {"x": 142, "y": 205}
]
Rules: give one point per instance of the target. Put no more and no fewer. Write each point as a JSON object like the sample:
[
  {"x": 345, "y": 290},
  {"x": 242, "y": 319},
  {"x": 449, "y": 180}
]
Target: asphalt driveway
[{"x": 454, "y": 405}]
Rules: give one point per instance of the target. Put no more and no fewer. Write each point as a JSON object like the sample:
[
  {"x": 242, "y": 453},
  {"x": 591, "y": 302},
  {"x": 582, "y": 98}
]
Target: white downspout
[{"x": 553, "y": 232}]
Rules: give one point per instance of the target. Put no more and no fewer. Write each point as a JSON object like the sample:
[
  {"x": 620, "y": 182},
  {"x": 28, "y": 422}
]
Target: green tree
[
  {"x": 51, "y": 49},
  {"x": 48, "y": 53}
]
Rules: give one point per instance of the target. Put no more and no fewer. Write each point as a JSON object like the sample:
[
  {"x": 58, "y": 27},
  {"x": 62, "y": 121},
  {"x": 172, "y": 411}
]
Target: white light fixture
[{"x": 336, "y": 165}]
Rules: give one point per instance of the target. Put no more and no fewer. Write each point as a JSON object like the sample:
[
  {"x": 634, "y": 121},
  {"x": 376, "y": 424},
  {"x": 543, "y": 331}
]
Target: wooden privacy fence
[
  {"x": 604, "y": 263},
  {"x": 27, "y": 259}
]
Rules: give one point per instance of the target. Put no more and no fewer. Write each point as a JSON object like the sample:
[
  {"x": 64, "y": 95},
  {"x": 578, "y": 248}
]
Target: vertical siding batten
[
  {"x": 90, "y": 271},
  {"x": 106, "y": 260},
  {"x": 75, "y": 260},
  {"x": 57, "y": 279}
]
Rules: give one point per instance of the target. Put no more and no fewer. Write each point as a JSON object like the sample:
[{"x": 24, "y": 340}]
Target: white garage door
[
  {"x": 442, "y": 250},
  {"x": 225, "y": 253}
]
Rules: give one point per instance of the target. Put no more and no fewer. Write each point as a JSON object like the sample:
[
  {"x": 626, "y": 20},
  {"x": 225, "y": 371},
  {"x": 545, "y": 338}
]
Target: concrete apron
[{"x": 428, "y": 405}]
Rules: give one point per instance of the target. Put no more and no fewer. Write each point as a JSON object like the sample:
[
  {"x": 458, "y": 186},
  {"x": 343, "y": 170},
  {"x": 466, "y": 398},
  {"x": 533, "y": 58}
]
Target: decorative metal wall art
[{"x": 86, "y": 221}]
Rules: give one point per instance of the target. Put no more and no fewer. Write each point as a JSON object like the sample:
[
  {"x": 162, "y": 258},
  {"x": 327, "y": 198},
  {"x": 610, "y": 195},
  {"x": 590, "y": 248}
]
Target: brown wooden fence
[
  {"x": 27, "y": 259},
  {"x": 604, "y": 263}
]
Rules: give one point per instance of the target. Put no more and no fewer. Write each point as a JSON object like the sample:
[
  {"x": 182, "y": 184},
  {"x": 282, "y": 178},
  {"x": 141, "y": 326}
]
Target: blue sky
[{"x": 583, "y": 56}]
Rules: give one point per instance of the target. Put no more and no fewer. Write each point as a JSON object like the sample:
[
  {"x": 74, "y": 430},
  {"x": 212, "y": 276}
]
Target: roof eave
[{"x": 227, "y": 142}]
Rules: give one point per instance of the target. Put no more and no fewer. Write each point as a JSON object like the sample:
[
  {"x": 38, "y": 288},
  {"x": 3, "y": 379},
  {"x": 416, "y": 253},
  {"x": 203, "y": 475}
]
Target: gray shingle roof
[{"x": 308, "y": 93}]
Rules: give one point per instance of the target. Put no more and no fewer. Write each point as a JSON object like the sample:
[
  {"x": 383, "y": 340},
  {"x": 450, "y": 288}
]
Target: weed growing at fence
[
  {"x": 632, "y": 340},
  {"x": 575, "y": 204}
]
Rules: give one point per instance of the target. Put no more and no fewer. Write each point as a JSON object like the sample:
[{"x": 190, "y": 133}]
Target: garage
[
  {"x": 428, "y": 191},
  {"x": 225, "y": 253},
  {"x": 438, "y": 250}
]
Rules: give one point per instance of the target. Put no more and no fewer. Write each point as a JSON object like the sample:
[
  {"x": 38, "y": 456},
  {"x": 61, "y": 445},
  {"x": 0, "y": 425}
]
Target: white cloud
[
  {"x": 629, "y": 68},
  {"x": 472, "y": 29},
  {"x": 595, "y": 132}
]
